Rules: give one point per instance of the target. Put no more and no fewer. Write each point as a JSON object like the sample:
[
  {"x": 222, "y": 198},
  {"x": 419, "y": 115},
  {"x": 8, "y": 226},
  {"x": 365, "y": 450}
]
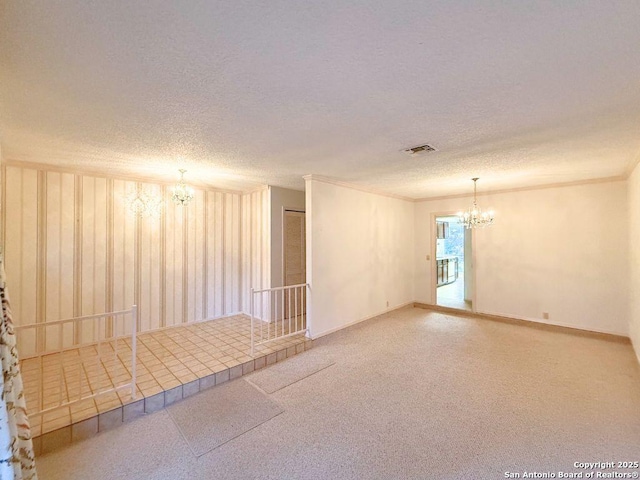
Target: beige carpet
[
  {"x": 293, "y": 370},
  {"x": 414, "y": 395},
  {"x": 213, "y": 417}
]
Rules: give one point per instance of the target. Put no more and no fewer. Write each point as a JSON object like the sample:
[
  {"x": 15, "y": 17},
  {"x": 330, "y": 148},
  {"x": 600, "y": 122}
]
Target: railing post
[
  {"x": 252, "y": 338},
  {"x": 134, "y": 328}
]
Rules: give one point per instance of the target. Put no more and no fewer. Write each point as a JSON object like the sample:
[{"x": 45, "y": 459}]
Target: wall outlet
[{"x": 545, "y": 315}]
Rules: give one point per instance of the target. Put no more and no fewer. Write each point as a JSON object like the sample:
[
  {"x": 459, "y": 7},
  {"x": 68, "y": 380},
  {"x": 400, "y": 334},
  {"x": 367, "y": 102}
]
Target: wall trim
[
  {"x": 355, "y": 322},
  {"x": 530, "y": 322}
]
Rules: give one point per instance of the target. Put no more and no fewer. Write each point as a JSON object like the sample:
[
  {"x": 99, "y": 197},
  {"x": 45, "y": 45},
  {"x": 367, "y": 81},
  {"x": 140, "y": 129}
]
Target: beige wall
[
  {"x": 560, "y": 250},
  {"x": 73, "y": 248},
  {"x": 634, "y": 258},
  {"x": 281, "y": 198},
  {"x": 359, "y": 255}
]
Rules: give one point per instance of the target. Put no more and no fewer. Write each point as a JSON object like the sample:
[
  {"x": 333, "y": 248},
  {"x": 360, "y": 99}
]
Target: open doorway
[{"x": 454, "y": 286}]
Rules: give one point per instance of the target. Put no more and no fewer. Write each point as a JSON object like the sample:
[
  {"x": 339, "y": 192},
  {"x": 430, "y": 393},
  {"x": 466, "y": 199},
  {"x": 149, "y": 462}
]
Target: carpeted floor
[
  {"x": 281, "y": 375},
  {"x": 412, "y": 394},
  {"x": 214, "y": 417}
]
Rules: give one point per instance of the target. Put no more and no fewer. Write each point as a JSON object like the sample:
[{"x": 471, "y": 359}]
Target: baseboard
[
  {"x": 532, "y": 322},
  {"x": 355, "y": 322},
  {"x": 557, "y": 324}
]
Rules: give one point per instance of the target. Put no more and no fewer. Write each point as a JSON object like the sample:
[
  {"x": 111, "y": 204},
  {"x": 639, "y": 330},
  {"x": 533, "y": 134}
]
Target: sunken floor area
[{"x": 411, "y": 394}]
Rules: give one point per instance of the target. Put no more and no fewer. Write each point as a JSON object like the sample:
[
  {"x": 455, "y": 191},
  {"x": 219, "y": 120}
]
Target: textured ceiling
[{"x": 243, "y": 93}]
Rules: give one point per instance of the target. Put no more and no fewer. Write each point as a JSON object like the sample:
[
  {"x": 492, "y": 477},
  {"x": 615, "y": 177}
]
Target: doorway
[{"x": 454, "y": 285}]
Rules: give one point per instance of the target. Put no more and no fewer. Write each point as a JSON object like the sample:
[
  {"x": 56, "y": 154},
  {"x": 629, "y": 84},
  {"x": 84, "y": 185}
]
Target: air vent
[{"x": 420, "y": 149}]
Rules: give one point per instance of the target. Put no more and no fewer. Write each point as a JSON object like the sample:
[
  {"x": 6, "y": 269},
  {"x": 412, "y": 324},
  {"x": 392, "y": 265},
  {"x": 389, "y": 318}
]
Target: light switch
[{"x": 428, "y": 257}]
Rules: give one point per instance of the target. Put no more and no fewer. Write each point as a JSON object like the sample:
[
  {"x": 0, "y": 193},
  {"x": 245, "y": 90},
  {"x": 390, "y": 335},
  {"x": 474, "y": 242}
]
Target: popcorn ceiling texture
[{"x": 242, "y": 94}]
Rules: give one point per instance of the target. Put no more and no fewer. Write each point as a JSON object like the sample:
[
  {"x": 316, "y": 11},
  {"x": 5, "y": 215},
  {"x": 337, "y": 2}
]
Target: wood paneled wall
[{"x": 73, "y": 247}]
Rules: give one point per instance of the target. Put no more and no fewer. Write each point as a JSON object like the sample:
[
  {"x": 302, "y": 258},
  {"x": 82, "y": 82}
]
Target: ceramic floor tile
[{"x": 165, "y": 360}]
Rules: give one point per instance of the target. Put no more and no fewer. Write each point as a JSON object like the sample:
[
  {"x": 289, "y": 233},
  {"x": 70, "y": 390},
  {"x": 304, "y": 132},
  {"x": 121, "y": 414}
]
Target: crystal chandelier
[
  {"x": 474, "y": 217},
  {"x": 144, "y": 203},
  {"x": 182, "y": 193}
]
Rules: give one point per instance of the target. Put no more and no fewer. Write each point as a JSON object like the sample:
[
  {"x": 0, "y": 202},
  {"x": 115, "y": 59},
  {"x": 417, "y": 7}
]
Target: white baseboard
[
  {"x": 558, "y": 324},
  {"x": 529, "y": 319},
  {"x": 355, "y": 322}
]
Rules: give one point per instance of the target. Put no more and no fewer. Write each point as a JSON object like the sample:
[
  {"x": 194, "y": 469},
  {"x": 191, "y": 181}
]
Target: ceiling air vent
[{"x": 420, "y": 149}]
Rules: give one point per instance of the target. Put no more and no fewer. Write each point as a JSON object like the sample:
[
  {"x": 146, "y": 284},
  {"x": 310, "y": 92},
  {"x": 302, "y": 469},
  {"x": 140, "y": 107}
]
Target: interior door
[{"x": 295, "y": 271}]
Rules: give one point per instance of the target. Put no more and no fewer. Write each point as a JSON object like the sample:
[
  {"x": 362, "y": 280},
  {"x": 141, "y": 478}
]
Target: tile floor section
[
  {"x": 452, "y": 295},
  {"x": 171, "y": 364}
]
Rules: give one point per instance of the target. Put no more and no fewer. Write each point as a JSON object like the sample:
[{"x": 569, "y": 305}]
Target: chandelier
[
  {"x": 144, "y": 203},
  {"x": 474, "y": 217},
  {"x": 182, "y": 193}
]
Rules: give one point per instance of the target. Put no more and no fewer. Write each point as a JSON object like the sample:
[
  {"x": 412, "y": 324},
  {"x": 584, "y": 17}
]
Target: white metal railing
[
  {"x": 278, "y": 312},
  {"x": 66, "y": 361}
]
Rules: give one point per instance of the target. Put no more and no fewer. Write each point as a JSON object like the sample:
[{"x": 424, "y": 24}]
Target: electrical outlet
[{"x": 545, "y": 315}]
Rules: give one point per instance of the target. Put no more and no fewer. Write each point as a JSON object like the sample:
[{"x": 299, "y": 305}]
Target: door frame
[{"x": 433, "y": 234}]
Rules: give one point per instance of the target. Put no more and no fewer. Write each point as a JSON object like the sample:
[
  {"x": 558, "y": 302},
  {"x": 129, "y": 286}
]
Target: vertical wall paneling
[
  {"x": 256, "y": 240},
  {"x": 58, "y": 252},
  {"x": 94, "y": 251},
  {"x": 149, "y": 302},
  {"x": 77, "y": 253},
  {"x": 175, "y": 267},
  {"x": 162, "y": 315},
  {"x": 123, "y": 254},
  {"x": 231, "y": 244},
  {"x": 194, "y": 258},
  {"x": 185, "y": 265},
  {"x": 137, "y": 258},
  {"x": 21, "y": 245},
  {"x": 41, "y": 258},
  {"x": 225, "y": 259},
  {"x": 246, "y": 254},
  {"x": 216, "y": 259},
  {"x": 73, "y": 247},
  {"x": 205, "y": 256},
  {"x": 109, "y": 262}
]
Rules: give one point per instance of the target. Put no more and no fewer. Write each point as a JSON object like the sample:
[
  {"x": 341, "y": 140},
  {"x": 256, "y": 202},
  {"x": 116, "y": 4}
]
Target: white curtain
[{"x": 17, "y": 461}]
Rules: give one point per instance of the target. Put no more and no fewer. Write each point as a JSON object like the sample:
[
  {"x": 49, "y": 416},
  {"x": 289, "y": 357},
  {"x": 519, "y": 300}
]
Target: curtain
[{"x": 17, "y": 460}]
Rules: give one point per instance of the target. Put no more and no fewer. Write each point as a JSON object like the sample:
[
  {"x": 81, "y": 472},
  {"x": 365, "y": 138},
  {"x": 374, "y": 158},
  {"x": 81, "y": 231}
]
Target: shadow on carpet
[
  {"x": 211, "y": 418},
  {"x": 281, "y": 375}
]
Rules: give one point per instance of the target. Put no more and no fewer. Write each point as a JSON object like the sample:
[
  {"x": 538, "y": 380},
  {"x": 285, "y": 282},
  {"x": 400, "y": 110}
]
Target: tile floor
[
  {"x": 171, "y": 363},
  {"x": 452, "y": 295}
]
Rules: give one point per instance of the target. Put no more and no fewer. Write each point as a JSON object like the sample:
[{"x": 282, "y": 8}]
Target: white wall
[
  {"x": 560, "y": 250},
  {"x": 281, "y": 198},
  {"x": 359, "y": 255},
  {"x": 256, "y": 242},
  {"x": 72, "y": 247},
  {"x": 634, "y": 258}
]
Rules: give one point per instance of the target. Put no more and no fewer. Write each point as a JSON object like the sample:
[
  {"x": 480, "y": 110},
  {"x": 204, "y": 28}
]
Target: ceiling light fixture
[
  {"x": 474, "y": 217},
  {"x": 182, "y": 193}
]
